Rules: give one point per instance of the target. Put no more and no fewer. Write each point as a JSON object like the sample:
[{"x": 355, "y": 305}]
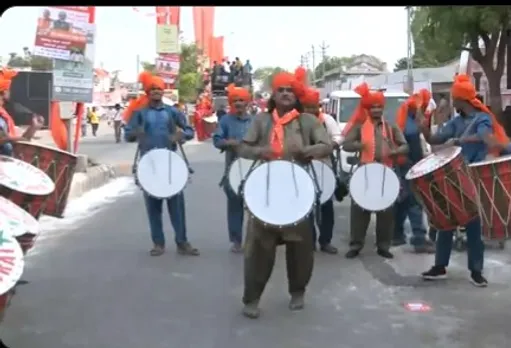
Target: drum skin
[
  {"x": 59, "y": 165},
  {"x": 493, "y": 181},
  {"x": 448, "y": 193}
]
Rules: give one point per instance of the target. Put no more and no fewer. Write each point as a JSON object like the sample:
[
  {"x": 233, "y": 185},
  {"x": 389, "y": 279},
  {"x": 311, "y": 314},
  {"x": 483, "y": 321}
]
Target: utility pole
[
  {"x": 323, "y": 49},
  {"x": 302, "y": 60},
  {"x": 409, "y": 55},
  {"x": 313, "y": 70}
]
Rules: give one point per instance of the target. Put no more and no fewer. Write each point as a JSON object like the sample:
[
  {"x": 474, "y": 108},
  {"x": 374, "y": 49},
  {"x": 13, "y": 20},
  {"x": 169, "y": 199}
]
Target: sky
[{"x": 268, "y": 36}]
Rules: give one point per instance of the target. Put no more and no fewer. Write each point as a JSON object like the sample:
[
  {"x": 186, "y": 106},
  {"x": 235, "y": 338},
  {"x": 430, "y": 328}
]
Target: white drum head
[
  {"x": 162, "y": 173},
  {"x": 17, "y": 220},
  {"x": 279, "y": 193},
  {"x": 25, "y": 178},
  {"x": 374, "y": 187},
  {"x": 11, "y": 261},
  {"x": 326, "y": 179},
  {"x": 432, "y": 162},
  {"x": 238, "y": 171}
]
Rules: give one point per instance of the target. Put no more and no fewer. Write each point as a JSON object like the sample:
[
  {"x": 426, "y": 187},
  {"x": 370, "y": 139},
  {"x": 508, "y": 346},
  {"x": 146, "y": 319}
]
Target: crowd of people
[{"x": 236, "y": 72}]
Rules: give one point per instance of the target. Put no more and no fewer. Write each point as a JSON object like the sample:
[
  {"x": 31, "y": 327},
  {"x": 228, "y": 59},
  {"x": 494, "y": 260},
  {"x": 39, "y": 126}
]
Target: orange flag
[
  {"x": 58, "y": 127},
  {"x": 217, "y": 49}
]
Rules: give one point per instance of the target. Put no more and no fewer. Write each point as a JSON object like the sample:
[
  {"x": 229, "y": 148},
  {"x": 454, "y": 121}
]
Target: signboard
[
  {"x": 167, "y": 38},
  {"x": 62, "y": 32},
  {"x": 73, "y": 80},
  {"x": 167, "y": 67}
]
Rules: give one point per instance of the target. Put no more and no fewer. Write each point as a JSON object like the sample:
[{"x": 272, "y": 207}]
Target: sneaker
[
  {"x": 236, "y": 248},
  {"x": 352, "y": 254},
  {"x": 436, "y": 272},
  {"x": 251, "y": 310},
  {"x": 187, "y": 249},
  {"x": 478, "y": 280},
  {"x": 297, "y": 302},
  {"x": 385, "y": 253},
  {"x": 328, "y": 249}
]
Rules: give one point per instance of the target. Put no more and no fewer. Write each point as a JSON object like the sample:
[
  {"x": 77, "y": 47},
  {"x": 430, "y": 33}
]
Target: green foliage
[{"x": 417, "y": 61}]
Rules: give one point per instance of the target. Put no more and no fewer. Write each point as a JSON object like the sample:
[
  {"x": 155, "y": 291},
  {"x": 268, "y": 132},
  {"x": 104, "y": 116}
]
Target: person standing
[
  {"x": 94, "y": 120},
  {"x": 310, "y": 102},
  {"x": 156, "y": 123},
  {"x": 368, "y": 134},
  {"x": 116, "y": 119},
  {"x": 292, "y": 135},
  {"x": 230, "y": 131}
]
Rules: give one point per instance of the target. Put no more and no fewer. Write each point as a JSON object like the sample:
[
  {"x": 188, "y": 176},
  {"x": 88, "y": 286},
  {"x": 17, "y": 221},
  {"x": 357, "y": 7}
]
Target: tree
[
  {"x": 27, "y": 60},
  {"x": 265, "y": 75},
  {"x": 447, "y": 28},
  {"x": 417, "y": 61}
]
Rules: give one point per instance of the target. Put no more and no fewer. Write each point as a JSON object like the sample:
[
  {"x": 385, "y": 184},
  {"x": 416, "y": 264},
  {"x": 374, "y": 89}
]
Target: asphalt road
[{"x": 100, "y": 288}]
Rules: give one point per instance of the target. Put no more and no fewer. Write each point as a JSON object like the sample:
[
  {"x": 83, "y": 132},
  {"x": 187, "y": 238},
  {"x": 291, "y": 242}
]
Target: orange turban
[
  {"x": 311, "y": 97},
  {"x": 301, "y": 75},
  {"x": 464, "y": 89},
  {"x": 145, "y": 78},
  {"x": 156, "y": 82},
  {"x": 8, "y": 74},
  {"x": 234, "y": 93},
  {"x": 286, "y": 79},
  {"x": 368, "y": 99},
  {"x": 4, "y": 84}
]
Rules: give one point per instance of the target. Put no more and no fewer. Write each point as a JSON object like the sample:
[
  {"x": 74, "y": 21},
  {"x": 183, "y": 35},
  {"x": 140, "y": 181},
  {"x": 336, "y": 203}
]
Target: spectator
[
  {"x": 94, "y": 121},
  {"x": 227, "y": 66}
]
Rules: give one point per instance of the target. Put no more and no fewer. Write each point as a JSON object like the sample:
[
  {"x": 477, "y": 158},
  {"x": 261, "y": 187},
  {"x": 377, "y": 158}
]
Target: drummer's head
[
  {"x": 156, "y": 88},
  {"x": 464, "y": 95},
  {"x": 6, "y": 76},
  {"x": 310, "y": 101},
  {"x": 374, "y": 102},
  {"x": 238, "y": 99},
  {"x": 286, "y": 92}
]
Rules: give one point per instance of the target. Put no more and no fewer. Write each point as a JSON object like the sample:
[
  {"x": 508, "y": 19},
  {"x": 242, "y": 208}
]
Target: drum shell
[
  {"x": 26, "y": 242},
  {"x": 209, "y": 127},
  {"x": 34, "y": 205},
  {"x": 59, "y": 165},
  {"x": 493, "y": 182},
  {"x": 448, "y": 195}
]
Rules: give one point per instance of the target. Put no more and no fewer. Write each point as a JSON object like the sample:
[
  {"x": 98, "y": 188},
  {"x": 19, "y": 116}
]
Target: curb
[{"x": 96, "y": 177}]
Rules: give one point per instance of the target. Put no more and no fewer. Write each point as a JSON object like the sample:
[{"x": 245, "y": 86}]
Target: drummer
[
  {"x": 230, "y": 131},
  {"x": 150, "y": 126},
  {"x": 407, "y": 206},
  {"x": 475, "y": 130},
  {"x": 367, "y": 134},
  {"x": 310, "y": 102},
  {"x": 286, "y": 123},
  {"x": 8, "y": 132}
]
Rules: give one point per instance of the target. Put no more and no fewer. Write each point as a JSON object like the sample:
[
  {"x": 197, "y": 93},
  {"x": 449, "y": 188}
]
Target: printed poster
[
  {"x": 167, "y": 38},
  {"x": 62, "y": 32},
  {"x": 73, "y": 79},
  {"x": 167, "y": 67}
]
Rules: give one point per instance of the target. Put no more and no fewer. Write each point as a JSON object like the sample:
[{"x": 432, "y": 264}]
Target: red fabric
[
  {"x": 203, "y": 22},
  {"x": 199, "y": 125},
  {"x": 10, "y": 122},
  {"x": 92, "y": 14},
  {"x": 175, "y": 15},
  {"x": 161, "y": 15},
  {"x": 58, "y": 127},
  {"x": 217, "y": 49},
  {"x": 79, "y": 110}
]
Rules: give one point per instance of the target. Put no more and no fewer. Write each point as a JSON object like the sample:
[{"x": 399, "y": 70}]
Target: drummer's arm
[
  {"x": 220, "y": 134},
  {"x": 352, "y": 141},
  {"x": 400, "y": 141},
  {"x": 131, "y": 128},
  {"x": 249, "y": 147},
  {"x": 321, "y": 145},
  {"x": 180, "y": 120},
  {"x": 444, "y": 133}
]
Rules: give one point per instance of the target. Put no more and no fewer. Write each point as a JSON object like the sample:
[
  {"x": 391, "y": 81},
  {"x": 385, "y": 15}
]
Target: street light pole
[{"x": 409, "y": 55}]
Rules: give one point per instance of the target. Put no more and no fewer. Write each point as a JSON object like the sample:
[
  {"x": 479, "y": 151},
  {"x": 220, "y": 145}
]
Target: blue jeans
[
  {"x": 176, "y": 209},
  {"x": 326, "y": 227},
  {"x": 411, "y": 209},
  {"x": 475, "y": 246},
  {"x": 235, "y": 215}
]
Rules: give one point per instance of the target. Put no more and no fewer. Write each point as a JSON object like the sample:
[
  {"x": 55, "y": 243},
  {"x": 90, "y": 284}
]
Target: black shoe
[
  {"x": 436, "y": 272},
  {"x": 385, "y": 253},
  {"x": 478, "y": 280},
  {"x": 352, "y": 254}
]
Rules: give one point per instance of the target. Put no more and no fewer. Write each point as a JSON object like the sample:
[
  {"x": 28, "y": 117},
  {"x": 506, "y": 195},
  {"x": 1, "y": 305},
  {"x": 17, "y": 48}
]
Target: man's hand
[
  {"x": 266, "y": 153},
  {"x": 177, "y": 137},
  {"x": 232, "y": 142},
  {"x": 37, "y": 122},
  {"x": 297, "y": 152}
]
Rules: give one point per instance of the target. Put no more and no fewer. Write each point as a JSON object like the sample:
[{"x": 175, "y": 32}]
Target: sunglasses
[{"x": 284, "y": 89}]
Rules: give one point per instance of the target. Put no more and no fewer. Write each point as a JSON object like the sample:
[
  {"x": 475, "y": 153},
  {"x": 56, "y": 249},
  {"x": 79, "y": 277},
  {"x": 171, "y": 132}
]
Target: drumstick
[
  {"x": 268, "y": 185},
  {"x": 294, "y": 180},
  {"x": 383, "y": 181},
  {"x": 365, "y": 179},
  {"x": 170, "y": 167}
]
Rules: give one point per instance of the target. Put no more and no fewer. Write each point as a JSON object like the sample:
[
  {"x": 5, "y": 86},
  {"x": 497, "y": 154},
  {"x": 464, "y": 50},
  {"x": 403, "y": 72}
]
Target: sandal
[
  {"x": 187, "y": 249},
  {"x": 157, "y": 250}
]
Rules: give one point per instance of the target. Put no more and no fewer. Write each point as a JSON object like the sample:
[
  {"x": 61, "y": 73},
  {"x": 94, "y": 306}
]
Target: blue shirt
[
  {"x": 157, "y": 123},
  {"x": 480, "y": 124},
  {"x": 413, "y": 138},
  {"x": 230, "y": 127},
  {"x": 5, "y": 149}
]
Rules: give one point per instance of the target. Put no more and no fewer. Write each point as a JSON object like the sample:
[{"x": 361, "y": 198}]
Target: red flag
[
  {"x": 79, "y": 110},
  {"x": 203, "y": 22},
  {"x": 175, "y": 15},
  {"x": 92, "y": 14},
  {"x": 161, "y": 14},
  {"x": 217, "y": 49},
  {"x": 58, "y": 127}
]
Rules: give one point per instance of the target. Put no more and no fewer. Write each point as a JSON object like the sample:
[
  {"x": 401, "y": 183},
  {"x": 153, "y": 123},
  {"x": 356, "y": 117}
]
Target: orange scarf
[
  {"x": 277, "y": 131},
  {"x": 10, "y": 122},
  {"x": 368, "y": 139}
]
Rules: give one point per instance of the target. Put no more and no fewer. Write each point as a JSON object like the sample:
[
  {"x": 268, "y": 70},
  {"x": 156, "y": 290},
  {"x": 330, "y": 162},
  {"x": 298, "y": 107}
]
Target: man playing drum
[
  {"x": 154, "y": 126},
  {"x": 230, "y": 131},
  {"x": 407, "y": 205},
  {"x": 377, "y": 142},
  {"x": 310, "y": 102},
  {"x": 475, "y": 130},
  {"x": 283, "y": 132}
]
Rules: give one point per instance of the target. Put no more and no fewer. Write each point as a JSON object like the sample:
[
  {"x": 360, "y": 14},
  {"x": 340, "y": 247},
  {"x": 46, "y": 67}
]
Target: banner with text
[
  {"x": 167, "y": 67},
  {"x": 73, "y": 79},
  {"x": 167, "y": 38},
  {"x": 62, "y": 32}
]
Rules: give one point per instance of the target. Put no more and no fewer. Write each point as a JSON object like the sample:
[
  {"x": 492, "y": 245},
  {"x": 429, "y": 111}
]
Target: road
[{"x": 98, "y": 287}]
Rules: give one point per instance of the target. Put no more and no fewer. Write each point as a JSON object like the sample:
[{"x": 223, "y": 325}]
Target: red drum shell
[
  {"x": 59, "y": 165},
  {"x": 26, "y": 242},
  {"x": 448, "y": 194},
  {"x": 493, "y": 180}
]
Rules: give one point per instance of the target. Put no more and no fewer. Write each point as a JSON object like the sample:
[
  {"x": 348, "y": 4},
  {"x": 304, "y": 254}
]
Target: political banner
[
  {"x": 62, "y": 32},
  {"x": 167, "y": 38},
  {"x": 73, "y": 80},
  {"x": 167, "y": 67}
]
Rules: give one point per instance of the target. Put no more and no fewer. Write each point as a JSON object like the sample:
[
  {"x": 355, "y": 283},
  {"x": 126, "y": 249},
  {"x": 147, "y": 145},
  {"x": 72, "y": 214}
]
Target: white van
[{"x": 342, "y": 104}]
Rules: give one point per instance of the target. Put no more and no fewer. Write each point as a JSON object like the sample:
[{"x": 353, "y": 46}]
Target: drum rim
[
  {"x": 366, "y": 164},
  {"x": 51, "y": 187},
  {"x": 333, "y": 175},
  {"x": 17, "y": 269},
  {"x": 211, "y": 119},
  {"x": 490, "y": 161},
  {"x": 140, "y": 183},
  {"x": 414, "y": 174},
  {"x": 241, "y": 159},
  {"x": 16, "y": 207},
  {"x": 281, "y": 225},
  {"x": 47, "y": 147}
]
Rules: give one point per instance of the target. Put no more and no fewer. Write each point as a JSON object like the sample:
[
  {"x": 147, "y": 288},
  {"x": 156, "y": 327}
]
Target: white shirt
[
  {"x": 332, "y": 128},
  {"x": 116, "y": 115},
  {"x": 227, "y": 67}
]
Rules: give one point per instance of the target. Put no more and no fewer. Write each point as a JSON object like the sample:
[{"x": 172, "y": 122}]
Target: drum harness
[{"x": 137, "y": 156}]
